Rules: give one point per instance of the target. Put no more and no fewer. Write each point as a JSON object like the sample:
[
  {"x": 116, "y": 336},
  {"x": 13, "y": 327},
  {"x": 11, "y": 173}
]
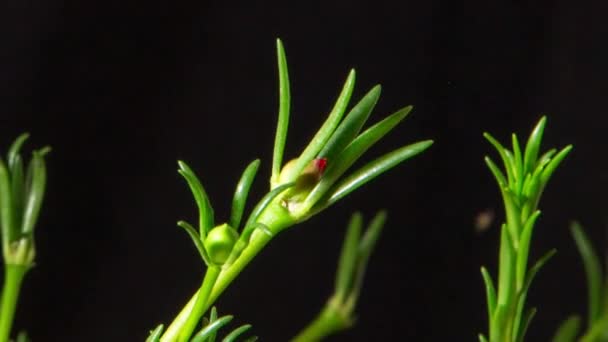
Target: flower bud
[
  {"x": 219, "y": 243},
  {"x": 306, "y": 181}
]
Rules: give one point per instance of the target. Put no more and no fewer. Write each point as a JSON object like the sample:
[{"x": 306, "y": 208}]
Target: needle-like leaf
[
  {"x": 527, "y": 319},
  {"x": 33, "y": 200},
  {"x": 18, "y": 189},
  {"x": 9, "y": 231},
  {"x": 498, "y": 175},
  {"x": 283, "y": 120},
  {"x": 196, "y": 239},
  {"x": 593, "y": 272},
  {"x": 200, "y": 196},
  {"x": 506, "y": 254},
  {"x": 348, "y": 256},
  {"x": 241, "y": 193},
  {"x": 350, "y": 127},
  {"x": 352, "y": 153},
  {"x": 236, "y": 333},
  {"x": 212, "y": 328},
  {"x": 155, "y": 334},
  {"x": 264, "y": 202},
  {"x": 533, "y": 144},
  {"x": 490, "y": 294},
  {"x": 212, "y": 318},
  {"x": 325, "y": 132},
  {"x": 504, "y": 155},
  {"x": 554, "y": 163},
  {"x": 524, "y": 249},
  {"x": 371, "y": 171},
  {"x": 13, "y": 151}
]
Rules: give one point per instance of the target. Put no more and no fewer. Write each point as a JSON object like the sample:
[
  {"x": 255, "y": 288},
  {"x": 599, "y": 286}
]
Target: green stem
[
  {"x": 13, "y": 277},
  {"x": 199, "y": 307},
  {"x": 276, "y": 219},
  {"x": 329, "y": 321}
]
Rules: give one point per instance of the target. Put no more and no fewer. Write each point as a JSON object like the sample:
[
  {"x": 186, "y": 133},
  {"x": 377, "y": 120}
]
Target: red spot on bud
[{"x": 320, "y": 164}]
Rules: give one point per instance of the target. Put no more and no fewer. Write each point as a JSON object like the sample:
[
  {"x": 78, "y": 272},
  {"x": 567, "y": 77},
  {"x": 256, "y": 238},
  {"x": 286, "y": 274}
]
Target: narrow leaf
[
  {"x": 518, "y": 163},
  {"x": 348, "y": 256},
  {"x": 210, "y": 329},
  {"x": 352, "y": 153},
  {"x": 524, "y": 249},
  {"x": 351, "y": 125},
  {"x": 212, "y": 318},
  {"x": 490, "y": 295},
  {"x": 325, "y": 132},
  {"x": 33, "y": 200},
  {"x": 283, "y": 120},
  {"x": 554, "y": 163},
  {"x": 236, "y": 333},
  {"x": 9, "y": 231},
  {"x": 506, "y": 267},
  {"x": 527, "y": 319},
  {"x": 536, "y": 267},
  {"x": 264, "y": 202},
  {"x": 13, "y": 151},
  {"x": 18, "y": 189},
  {"x": 504, "y": 155},
  {"x": 205, "y": 211},
  {"x": 593, "y": 272},
  {"x": 366, "y": 247},
  {"x": 371, "y": 171},
  {"x": 498, "y": 175},
  {"x": 568, "y": 330},
  {"x": 533, "y": 144},
  {"x": 198, "y": 243},
  {"x": 155, "y": 334},
  {"x": 241, "y": 193}
]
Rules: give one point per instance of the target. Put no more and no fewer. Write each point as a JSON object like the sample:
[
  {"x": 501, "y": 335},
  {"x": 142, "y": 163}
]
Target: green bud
[
  {"x": 219, "y": 243},
  {"x": 306, "y": 181}
]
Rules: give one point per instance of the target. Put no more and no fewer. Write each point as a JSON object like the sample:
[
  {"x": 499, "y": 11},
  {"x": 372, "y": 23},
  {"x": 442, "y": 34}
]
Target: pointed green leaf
[
  {"x": 544, "y": 160},
  {"x": 352, "y": 153},
  {"x": 504, "y": 155},
  {"x": 490, "y": 295},
  {"x": 13, "y": 151},
  {"x": 533, "y": 144},
  {"x": 568, "y": 330},
  {"x": 518, "y": 163},
  {"x": 241, "y": 193},
  {"x": 498, "y": 175},
  {"x": 9, "y": 231},
  {"x": 325, "y": 132},
  {"x": 527, "y": 319},
  {"x": 155, "y": 334},
  {"x": 553, "y": 164},
  {"x": 370, "y": 171},
  {"x": 264, "y": 202},
  {"x": 524, "y": 248},
  {"x": 33, "y": 200},
  {"x": 212, "y": 318},
  {"x": 506, "y": 262},
  {"x": 348, "y": 256},
  {"x": 350, "y": 127},
  {"x": 593, "y": 272},
  {"x": 366, "y": 247},
  {"x": 205, "y": 211},
  {"x": 196, "y": 239},
  {"x": 236, "y": 333},
  {"x": 536, "y": 267},
  {"x": 283, "y": 120},
  {"x": 18, "y": 189},
  {"x": 210, "y": 329}
]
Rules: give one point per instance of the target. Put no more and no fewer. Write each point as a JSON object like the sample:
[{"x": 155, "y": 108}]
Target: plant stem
[
  {"x": 13, "y": 277},
  {"x": 329, "y": 321},
  {"x": 199, "y": 308},
  {"x": 276, "y": 219}
]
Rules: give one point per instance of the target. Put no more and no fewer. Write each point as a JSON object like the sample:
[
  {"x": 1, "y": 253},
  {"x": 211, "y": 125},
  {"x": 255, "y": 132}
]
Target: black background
[{"x": 121, "y": 90}]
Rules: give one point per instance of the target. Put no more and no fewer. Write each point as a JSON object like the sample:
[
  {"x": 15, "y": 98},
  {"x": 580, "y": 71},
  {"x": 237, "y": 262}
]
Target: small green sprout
[
  {"x": 339, "y": 311},
  {"x": 527, "y": 174},
  {"x": 21, "y": 194}
]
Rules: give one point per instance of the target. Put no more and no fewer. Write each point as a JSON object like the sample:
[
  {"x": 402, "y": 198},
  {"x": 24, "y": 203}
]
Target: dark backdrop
[{"x": 121, "y": 90}]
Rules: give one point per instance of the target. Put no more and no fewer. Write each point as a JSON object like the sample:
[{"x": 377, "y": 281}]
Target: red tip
[{"x": 321, "y": 164}]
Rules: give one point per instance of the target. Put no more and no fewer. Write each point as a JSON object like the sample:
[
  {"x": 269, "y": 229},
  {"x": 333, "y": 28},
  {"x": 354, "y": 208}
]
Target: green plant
[
  {"x": 597, "y": 296},
  {"x": 300, "y": 189},
  {"x": 527, "y": 174},
  {"x": 21, "y": 193},
  {"x": 338, "y": 312}
]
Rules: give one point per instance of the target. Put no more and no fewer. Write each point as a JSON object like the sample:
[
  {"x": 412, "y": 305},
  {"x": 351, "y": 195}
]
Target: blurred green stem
[
  {"x": 198, "y": 309},
  {"x": 329, "y": 321},
  {"x": 13, "y": 277}
]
